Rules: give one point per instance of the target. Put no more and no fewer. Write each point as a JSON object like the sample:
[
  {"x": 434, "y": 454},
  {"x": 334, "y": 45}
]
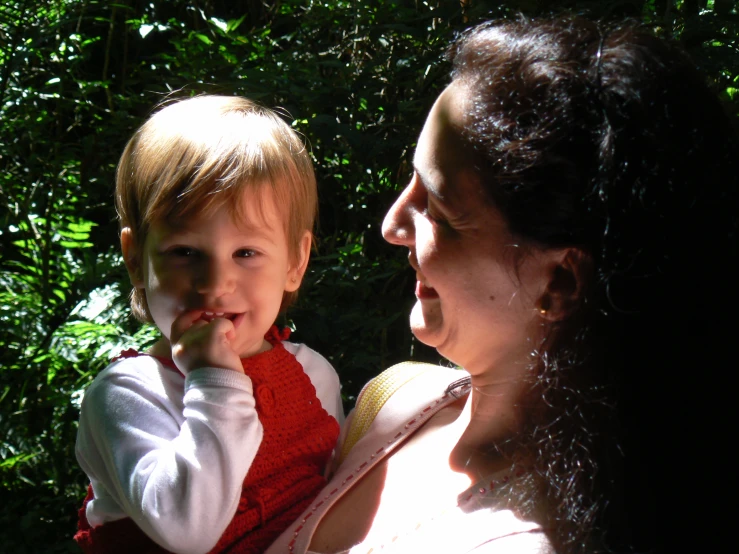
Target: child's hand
[{"x": 197, "y": 343}]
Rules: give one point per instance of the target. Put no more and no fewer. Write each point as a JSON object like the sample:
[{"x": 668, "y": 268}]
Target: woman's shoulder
[
  {"x": 407, "y": 387},
  {"x": 398, "y": 401}
]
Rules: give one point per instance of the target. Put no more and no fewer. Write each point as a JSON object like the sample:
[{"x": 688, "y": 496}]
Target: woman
[{"x": 570, "y": 218}]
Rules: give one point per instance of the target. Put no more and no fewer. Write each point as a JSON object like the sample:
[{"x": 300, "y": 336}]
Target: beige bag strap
[{"x": 373, "y": 398}]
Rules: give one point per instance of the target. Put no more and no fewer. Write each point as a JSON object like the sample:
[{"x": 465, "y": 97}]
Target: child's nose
[{"x": 216, "y": 278}]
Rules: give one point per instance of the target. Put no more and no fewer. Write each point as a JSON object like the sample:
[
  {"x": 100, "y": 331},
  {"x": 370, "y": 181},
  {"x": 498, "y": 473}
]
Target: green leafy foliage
[{"x": 354, "y": 77}]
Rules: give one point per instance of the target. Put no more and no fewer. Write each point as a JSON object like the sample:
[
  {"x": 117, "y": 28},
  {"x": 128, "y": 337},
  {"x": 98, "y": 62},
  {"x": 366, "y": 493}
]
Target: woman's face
[{"x": 477, "y": 291}]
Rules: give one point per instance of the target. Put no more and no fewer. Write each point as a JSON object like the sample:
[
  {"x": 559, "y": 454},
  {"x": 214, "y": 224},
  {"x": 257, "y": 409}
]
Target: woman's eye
[
  {"x": 244, "y": 253},
  {"x": 434, "y": 218},
  {"x": 433, "y": 215},
  {"x": 425, "y": 200}
]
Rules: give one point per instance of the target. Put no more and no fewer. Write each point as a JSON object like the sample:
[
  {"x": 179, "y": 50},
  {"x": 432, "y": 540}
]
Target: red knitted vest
[{"x": 284, "y": 478}]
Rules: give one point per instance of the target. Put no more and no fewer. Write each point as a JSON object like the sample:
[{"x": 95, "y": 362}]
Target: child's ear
[
  {"x": 131, "y": 258},
  {"x": 296, "y": 271},
  {"x": 568, "y": 276}
]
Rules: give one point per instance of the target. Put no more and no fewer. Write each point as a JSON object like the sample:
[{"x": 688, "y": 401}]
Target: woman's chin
[{"x": 425, "y": 323}]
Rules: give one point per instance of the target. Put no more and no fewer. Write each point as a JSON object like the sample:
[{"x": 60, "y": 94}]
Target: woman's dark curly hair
[{"x": 607, "y": 139}]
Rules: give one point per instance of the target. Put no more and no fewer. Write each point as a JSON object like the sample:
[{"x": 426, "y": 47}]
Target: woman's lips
[{"x": 424, "y": 292}]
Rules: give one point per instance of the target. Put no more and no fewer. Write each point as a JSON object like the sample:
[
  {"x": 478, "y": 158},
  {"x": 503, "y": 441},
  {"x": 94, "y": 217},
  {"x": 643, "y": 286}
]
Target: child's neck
[{"x": 161, "y": 348}]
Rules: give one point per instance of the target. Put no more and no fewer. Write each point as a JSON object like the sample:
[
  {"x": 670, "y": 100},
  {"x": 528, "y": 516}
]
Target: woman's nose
[
  {"x": 216, "y": 278},
  {"x": 397, "y": 227}
]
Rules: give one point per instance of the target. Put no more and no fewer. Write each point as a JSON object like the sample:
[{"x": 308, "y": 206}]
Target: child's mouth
[{"x": 210, "y": 316}]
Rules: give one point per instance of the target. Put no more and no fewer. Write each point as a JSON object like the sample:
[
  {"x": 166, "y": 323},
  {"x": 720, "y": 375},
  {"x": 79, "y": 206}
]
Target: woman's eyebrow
[{"x": 427, "y": 183}]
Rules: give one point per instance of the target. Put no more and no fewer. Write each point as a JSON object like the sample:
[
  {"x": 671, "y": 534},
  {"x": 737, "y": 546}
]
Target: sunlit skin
[
  {"x": 476, "y": 288},
  {"x": 477, "y": 304},
  {"x": 214, "y": 286}
]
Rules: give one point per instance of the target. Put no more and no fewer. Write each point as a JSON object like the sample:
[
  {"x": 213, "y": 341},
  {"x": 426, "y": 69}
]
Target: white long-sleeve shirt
[{"x": 172, "y": 452}]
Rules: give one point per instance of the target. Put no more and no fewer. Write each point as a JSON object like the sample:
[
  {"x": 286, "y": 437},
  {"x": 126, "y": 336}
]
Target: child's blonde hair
[{"x": 199, "y": 154}]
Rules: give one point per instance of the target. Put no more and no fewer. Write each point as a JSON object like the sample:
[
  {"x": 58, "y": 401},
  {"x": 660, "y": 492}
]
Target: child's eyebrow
[
  {"x": 244, "y": 230},
  {"x": 256, "y": 228}
]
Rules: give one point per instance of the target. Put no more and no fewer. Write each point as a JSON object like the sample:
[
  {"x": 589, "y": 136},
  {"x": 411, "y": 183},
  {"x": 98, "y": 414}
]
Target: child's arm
[
  {"x": 326, "y": 382},
  {"x": 323, "y": 376},
  {"x": 174, "y": 463}
]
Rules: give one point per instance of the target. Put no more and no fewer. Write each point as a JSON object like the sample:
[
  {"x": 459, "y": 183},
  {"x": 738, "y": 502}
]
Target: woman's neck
[{"x": 490, "y": 417}]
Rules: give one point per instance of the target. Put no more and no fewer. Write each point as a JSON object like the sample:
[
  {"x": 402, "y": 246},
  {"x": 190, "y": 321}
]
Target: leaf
[
  {"x": 219, "y": 23},
  {"x": 73, "y": 236},
  {"x": 234, "y": 24},
  {"x": 41, "y": 358},
  {"x": 203, "y": 38},
  {"x": 81, "y": 226},
  {"x": 9, "y": 463},
  {"x": 72, "y": 245}
]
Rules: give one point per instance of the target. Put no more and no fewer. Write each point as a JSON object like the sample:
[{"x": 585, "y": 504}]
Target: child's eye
[
  {"x": 244, "y": 253},
  {"x": 182, "y": 252}
]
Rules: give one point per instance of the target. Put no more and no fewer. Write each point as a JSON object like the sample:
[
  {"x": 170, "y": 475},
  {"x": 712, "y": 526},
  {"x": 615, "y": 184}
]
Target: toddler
[{"x": 218, "y": 436}]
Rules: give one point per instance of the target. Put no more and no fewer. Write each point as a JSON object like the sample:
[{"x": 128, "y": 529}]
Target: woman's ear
[
  {"x": 568, "y": 279},
  {"x": 131, "y": 258},
  {"x": 296, "y": 271}
]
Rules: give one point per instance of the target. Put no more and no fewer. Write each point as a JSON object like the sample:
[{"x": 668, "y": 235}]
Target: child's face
[{"x": 215, "y": 266}]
